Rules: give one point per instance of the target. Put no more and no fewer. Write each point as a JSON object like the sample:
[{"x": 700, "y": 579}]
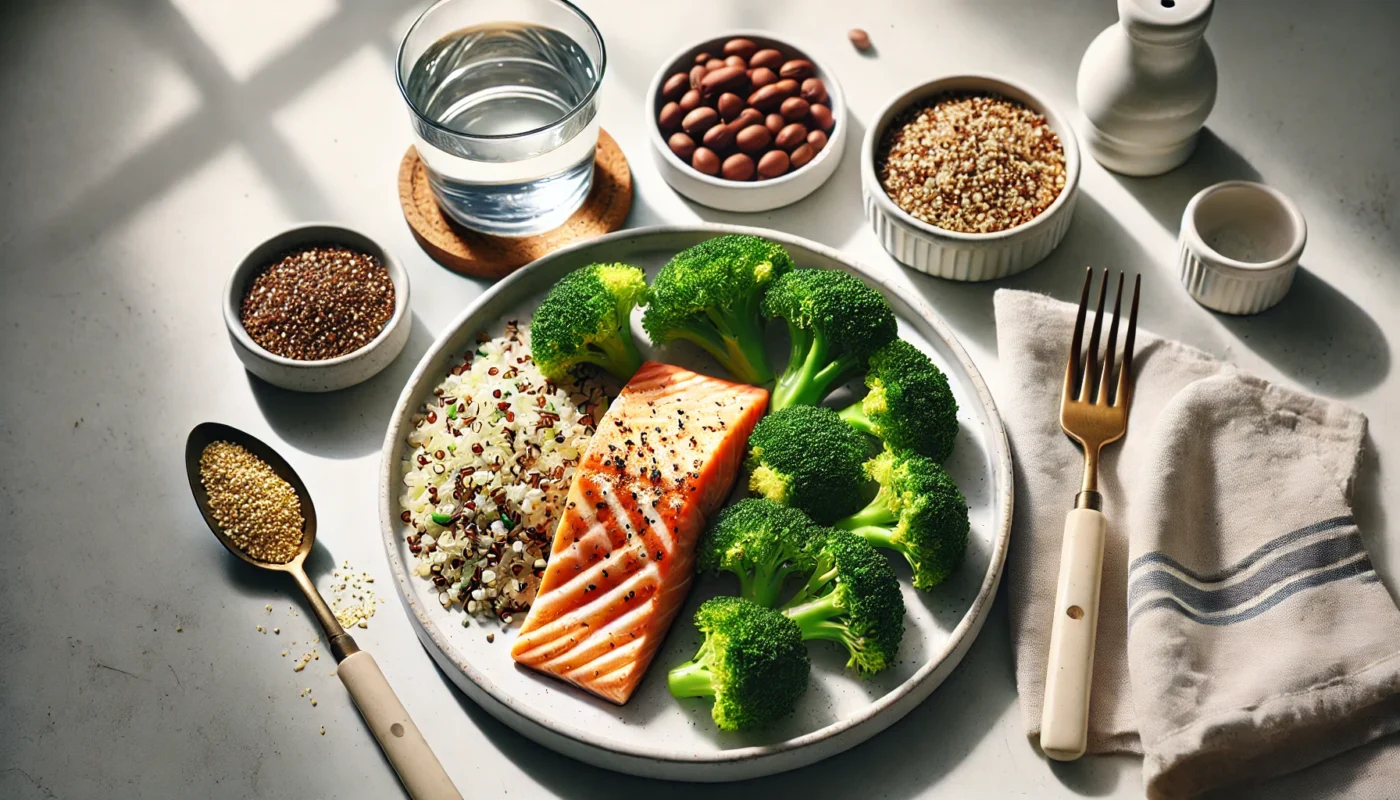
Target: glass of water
[{"x": 503, "y": 96}]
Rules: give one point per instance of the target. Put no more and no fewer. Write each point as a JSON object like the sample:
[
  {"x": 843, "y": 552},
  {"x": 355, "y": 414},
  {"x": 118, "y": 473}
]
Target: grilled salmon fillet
[{"x": 663, "y": 459}]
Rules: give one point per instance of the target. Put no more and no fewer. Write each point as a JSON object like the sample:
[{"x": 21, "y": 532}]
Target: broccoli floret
[
  {"x": 762, "y": 543},
  {"x": 918, "y": 512},
  {"x": 853, "y": 597},
  {"x": 909, "y": 404},
  {"x": 585, "y": 319},
  {"x": 807, "y": 458},
  {"x": 711, "y": 293},
  {"x": 753, "y": 663},
  {"x": 835, "y": 322}
]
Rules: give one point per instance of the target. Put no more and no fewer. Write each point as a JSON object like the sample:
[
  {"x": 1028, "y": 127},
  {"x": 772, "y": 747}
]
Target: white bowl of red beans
[
  {"x": 317, "y": 308},
  {"x": 745, "y": 122}
]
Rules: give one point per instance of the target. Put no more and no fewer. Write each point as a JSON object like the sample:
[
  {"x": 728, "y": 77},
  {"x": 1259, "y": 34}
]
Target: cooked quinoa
[{"x": 493, "y": 457}]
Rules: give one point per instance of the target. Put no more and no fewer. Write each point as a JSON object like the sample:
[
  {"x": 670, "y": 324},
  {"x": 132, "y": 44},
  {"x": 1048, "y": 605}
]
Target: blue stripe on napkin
[
  {"x": 1158, "y": 557},
  {"x": 1159, "y": 581}
]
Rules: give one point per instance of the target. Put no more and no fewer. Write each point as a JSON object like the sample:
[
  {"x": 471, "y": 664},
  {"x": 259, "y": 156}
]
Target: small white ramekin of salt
[{"x": 1239, "y": 247}]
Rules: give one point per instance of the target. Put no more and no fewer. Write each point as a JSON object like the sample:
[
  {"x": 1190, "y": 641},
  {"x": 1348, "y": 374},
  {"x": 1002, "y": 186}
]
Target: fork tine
[
  {"x": 1125, "y": 378},
  {"x": 1091, "y": 371},
  {"x": 1072, "y": 368},
  {"x": 1111, "y": 345}
]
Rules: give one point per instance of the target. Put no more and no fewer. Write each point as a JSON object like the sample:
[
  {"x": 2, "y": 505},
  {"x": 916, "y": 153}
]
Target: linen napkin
[{"x": 1243, "y": 633}]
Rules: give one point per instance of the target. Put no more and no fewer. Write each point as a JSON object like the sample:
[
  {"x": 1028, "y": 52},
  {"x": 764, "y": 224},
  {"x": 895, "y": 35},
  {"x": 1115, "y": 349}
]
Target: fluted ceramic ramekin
[
  {"x": 1240, "y": 243},
  {"x": 967, "y": 256}
]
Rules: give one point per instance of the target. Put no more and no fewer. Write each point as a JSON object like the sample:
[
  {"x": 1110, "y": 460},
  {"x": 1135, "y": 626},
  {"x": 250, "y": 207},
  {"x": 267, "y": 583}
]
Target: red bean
[
  {"x": 749, "y": 116},
  {"x": 794, "y": 109},
  {"x": 705, "y": 161},
  {"x": 682, "y": 145},
  {"x": 719, "y": 138},
  {"x": 738, "y": 167},
  {"x": 675, "y": 86},
  {"x": 722, "y": 80},
  {"x": 753, "y": 139},
  {"x": 699, "y": 120},
  {"x": 768, "y": 57},
  {"x": 762, "y": 76},
  {"x": 791, "y": 136},
  {"x": 670, "y": 117},
  {"x": 744, "y": 48},
  {"x": 798, "y": 69},
  {"x": 730, "y": 105},
  {"x": 802, "y": 155},
  {"x": 773, "y": 164}
]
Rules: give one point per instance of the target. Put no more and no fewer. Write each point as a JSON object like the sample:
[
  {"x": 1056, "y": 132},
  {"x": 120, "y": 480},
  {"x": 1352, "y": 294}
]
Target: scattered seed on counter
[
  {"x": 352, "y": 599},
  {"x": 258, "y": 510},
  {"x": 323, "y": 730},
  {"x": 972, "y": 163},
  {"x": 859, "y": 38},
  {"x": 318, "y": 303}
]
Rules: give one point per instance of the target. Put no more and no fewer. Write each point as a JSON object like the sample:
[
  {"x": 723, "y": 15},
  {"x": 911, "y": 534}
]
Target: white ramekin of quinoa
[{"x": 969, "y": 177}]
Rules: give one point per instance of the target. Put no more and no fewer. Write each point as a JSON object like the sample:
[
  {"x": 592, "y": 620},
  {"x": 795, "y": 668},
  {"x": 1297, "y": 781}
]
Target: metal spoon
[{"x": 419, "y": 770}]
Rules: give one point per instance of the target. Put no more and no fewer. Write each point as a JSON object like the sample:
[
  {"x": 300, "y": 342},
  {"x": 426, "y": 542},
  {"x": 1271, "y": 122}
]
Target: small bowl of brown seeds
[
  {"x": 969, "y": 178},
  {"x": 317, "y": 308}
]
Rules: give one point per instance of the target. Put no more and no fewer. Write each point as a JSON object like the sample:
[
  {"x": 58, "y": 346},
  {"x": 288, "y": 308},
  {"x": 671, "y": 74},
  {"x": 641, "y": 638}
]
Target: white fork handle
[
  {"x": 399, "y": 738},
  {"x": 1064, "y": 722}
]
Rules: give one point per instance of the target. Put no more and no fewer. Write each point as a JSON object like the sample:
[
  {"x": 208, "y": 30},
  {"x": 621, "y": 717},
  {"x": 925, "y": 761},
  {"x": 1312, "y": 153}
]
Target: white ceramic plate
[{"x": 655, "y": 735}]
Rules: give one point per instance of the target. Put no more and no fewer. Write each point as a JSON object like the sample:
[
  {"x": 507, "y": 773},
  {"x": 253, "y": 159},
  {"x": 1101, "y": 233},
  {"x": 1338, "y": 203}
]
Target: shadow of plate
[{"x": 346, "y": 424}]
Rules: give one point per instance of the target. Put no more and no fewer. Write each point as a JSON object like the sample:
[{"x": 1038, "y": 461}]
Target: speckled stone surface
[{"x": 149, "y": 145}]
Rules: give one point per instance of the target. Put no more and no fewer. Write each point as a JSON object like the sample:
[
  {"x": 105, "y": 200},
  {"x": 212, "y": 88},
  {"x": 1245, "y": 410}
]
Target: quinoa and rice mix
[
  {"x": 972, "y": 163},
  {"x": 493, "y": 457}
]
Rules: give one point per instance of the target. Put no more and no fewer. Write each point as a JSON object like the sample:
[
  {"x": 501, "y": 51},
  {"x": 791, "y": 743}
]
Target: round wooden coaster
[{"x": 483, "y": 256}]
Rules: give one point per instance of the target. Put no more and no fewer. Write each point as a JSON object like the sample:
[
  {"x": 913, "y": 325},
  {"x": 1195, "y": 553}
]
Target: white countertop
[{"x": 147, "y": 145}]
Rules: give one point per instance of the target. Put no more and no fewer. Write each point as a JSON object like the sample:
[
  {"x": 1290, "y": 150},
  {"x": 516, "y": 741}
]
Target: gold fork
[{"x": 1093, "y": 413}]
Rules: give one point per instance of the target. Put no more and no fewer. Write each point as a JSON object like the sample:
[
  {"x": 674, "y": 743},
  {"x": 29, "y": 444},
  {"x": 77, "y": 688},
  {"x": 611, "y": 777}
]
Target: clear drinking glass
[{"x": 503, "y": 96}]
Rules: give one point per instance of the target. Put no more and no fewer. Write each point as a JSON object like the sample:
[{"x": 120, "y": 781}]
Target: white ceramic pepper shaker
[{"x": 1147, "y": 85}]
